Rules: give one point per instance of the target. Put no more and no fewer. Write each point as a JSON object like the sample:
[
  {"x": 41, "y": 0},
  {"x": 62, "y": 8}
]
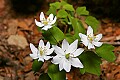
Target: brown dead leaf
[
  {"x": 2, "y": 7},
  {"x": 27, "y": 60},
  {"x": 24, "y": 26},
  {"x": 28, "y": 21},
  {"x": 109, "y": 30},
  {"x": 35, "y": 29},
  {"x": 20, "y": 59},
  {"x": 30, "y": 76},
  {"x": 28, "y": 67},
  {"x": 12, "y": 26},
  {"x": 18, "y": 41},
  {"x": 19, "y": 32},
  {"x": 69, "y": 76},
  {"x": 117, "y": 32},
  {"x": 1, "y": 78}
]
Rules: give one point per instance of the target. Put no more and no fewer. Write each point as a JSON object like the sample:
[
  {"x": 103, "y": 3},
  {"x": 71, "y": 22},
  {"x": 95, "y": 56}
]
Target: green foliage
[
  {"x": 69, "y": 38},
  {"x": 77, "y": 26},
  {"x": 82, "y": 11},
  {"x": 68, "y": 7},
  {"x": 105, "y": 51},
  {"x": 55, "y": 74},
  {"x": 37, "y": 65},
  {"x": 91, "y": 62},
  {"x": 54, "y": 35},
  {"x": 93, "y": 22},
  {"x": 44, "y": 76},
  {"x": 52, "y": 10},
  {"x": 62, "y": 14},
  {"x": 57, "y": 5}
]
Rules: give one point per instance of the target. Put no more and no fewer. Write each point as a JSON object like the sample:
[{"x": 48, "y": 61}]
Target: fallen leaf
[
  {"x": 27, "y": 60},
  {"x": 19, "y": 32},
  {"x": 1, "y": 78},
  {"x": 18, "y": 41},
  {"x": 28, "y": 67},
  {"x": 12, "y": 27},
  {"x": 109, "y": 30},
  {"x": 117, "y": 32},
  {"x": 2, "y": 7},
  {"x": 24, "y": 26}
]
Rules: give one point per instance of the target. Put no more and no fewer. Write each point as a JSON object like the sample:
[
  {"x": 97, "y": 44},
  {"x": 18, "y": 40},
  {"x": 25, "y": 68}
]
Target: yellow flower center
[
  {"x": 91, "y": 38},
  {"x": 67, "y": 56},
  {"x": 45, "y": 22},
  {"x": 42, "y": 50}
]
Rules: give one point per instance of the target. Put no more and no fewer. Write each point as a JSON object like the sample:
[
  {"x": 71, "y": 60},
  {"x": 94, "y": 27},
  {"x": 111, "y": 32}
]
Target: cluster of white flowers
[{"x": 66, "y": 56}]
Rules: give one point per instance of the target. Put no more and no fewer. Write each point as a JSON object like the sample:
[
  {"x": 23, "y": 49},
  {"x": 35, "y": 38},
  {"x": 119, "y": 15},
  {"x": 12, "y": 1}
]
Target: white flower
[
  {"x": 90, "y": 40},
  {"x": 45, "y": 23},
  {"x": 42, "y": 52},
  {"x": 67, "y": 56}
]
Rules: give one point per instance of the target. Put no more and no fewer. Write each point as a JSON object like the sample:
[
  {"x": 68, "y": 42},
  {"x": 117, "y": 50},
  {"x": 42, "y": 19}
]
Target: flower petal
[
  {"x": 72, "y": 47},
  {"x": 41, "y": 59},
  {"x": 78, "y": 52},
  {"x": 34, "y": 56},
  {"x": 61, "y": 64},
  {"x": 58, "y": 50},
  {"x": 33, "y": 49},
  {"x": 90, "y": 31},
  {"x": 54, "y": 20},
  {"x": 41, "y": 43},
  {"x": 46, "y": 27},
  {"x": 76, "y": 62},
  {"x": 50, "y": 51},
  {"x": 91, "y": 46},
  {"x": 98, "y": 44},
  {"x": 98, "y": 37},
  {"x": 48, "y": 45},
  {"x": 42, "y": 17},
  {"x": 84, "y": 39},
  {"x": 56, "y": 59},
  {"x": 65, "y": 44},
  {"x": 39, "y": 24},
  {"x": 47, "y": 57},
  {"x": 67, "y": 65},
  {"x": 50, "y": 18}
]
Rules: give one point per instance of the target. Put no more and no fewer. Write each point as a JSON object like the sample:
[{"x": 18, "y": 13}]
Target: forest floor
[{"x": 17, "y": 32}]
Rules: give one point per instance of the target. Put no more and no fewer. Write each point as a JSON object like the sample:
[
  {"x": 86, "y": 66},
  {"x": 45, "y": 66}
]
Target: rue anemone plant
[{"x": 69, "y": 44}]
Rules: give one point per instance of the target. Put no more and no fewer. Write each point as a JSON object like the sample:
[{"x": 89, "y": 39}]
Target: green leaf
[
  {"x": 91, "y": 62},
  {"x": 55, "y": 74},
  {"x": 93, "y": 22},
  {"x": 52, "y": 10},
  {"x": 54, "y": 35},
  {"x": 82, "y": 70},
  {"x": 70, "y": 38},
  {"x": 62, "y": 14},
  {"x": 105, "y": 51},
  {"x": 44, "y": 76},
  {"x": 57, "y": 5},
  {"x": 82, "y": 11},
  {"x": 68, "y": 7},
  {"x": 77, "y": 26},
  {"x": 36, "y": 65},
  {"x": 63, "y": 3}
]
